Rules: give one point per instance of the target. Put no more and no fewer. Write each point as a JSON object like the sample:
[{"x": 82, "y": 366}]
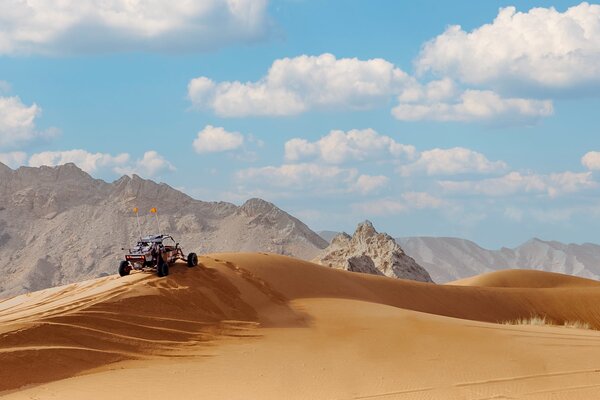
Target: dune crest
[{"x": 525, "y": 278}]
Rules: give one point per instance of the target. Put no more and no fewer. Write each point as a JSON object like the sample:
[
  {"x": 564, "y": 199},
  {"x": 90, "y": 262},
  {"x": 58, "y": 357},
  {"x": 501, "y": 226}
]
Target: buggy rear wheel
[
  {"x": 124, "y": 268},
  {"x": 162, "y": 269},
  {"x": 192, "y": 260}
]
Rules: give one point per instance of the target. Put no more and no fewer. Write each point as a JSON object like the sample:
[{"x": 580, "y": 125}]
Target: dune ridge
[{"x": 262, "y": 314}]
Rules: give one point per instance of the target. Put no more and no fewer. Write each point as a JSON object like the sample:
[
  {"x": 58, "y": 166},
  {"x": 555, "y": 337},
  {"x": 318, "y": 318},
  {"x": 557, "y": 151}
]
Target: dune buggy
[{"x": 155, "y": 253}]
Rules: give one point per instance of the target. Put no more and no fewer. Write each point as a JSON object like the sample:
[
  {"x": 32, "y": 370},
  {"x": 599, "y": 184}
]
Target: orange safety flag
[
  {"x": 153, "y": 210},
  {"x": 135, "y": 210}
]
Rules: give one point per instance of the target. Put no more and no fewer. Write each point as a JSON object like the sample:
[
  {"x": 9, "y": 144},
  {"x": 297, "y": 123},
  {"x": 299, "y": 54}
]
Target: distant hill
[
  {"x": 59, "y": 225},
  {"x": 449, "y": 259},
  {"x": 328, "y": 235}
]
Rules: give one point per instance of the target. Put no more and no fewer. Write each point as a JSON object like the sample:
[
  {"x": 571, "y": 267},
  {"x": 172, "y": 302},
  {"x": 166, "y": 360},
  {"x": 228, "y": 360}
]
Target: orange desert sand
[{"x": 263, "y": 326}]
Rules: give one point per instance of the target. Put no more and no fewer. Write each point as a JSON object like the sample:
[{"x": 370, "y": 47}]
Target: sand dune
[
  {"x": 244, "y": 326},
  {"x": 525, "y": 278}
]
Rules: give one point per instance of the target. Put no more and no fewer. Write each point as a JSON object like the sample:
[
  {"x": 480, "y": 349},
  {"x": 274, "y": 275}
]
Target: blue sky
[{"x": 336, "y": 111}]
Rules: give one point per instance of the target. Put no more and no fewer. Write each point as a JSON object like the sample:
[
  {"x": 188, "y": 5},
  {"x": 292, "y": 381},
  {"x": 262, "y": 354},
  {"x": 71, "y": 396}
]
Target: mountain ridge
[
  {"x": 449, "y": 258},
  {"x": 60, "y": 225}
]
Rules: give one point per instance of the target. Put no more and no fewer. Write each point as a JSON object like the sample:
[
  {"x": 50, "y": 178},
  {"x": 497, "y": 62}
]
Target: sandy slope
[
  {"x": 244, "y": 326},
  {"x": 525, "y": 278}
]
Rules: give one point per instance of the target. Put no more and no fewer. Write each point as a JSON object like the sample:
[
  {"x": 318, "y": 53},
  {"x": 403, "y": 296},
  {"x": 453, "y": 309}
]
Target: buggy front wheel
[
  {"x": 124, "y": 268},
  {"x": 192, "y": 260}
]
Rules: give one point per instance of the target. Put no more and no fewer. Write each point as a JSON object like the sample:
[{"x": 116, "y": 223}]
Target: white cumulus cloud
[
  {"x": 295, "y": 85},
  {"x": 305, "y": 83},
  {"x": 541, "y": 48},
  {"x": 569, "y": 182},
  {"x": 17, "y": 123},
  {"x": 338, "y": 147},
  {"x": 591, "y": 160},
  {"x": 366, "y": 184},
  {"x": 214, "y": 139},
  {"x": 456, "y": 160},
  {"x": 470, "y": 105},
  {"x": 314, "y": 177},
  {"x": 519, "y": 183},
  {"x": 87, "y": 26},
  {"x": 414, "y": 92}
]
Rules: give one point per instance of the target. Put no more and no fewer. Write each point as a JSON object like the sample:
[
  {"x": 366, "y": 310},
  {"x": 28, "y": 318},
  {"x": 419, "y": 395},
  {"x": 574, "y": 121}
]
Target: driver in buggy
[{"x": 156, "y": 250}]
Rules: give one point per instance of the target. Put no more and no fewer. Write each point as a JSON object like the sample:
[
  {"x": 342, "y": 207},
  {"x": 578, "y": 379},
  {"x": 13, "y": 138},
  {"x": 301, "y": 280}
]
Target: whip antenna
[
  {"x": 155, "y": 212},
  {"x": 137, "y": 217}
]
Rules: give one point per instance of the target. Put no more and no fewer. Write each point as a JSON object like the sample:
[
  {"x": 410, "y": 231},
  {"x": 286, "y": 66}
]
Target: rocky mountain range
[
  {"x": 449, "y": 259},
  {"x": 59, "y": 225},
  {"x": 371, "y": 252}
]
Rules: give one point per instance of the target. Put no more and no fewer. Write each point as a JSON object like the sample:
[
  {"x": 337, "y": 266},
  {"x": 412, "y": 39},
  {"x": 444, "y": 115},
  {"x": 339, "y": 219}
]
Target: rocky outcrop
[
  {"x": 368, "y": 251},
  {"x": 59, "y": 225}
]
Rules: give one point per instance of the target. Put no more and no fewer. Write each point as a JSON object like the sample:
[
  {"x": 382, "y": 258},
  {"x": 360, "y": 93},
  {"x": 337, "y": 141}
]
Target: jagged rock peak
[
  {"x": 43, "y": 180},
  {"x": 66, "y": 167},
  {"x": 259, "y": 211},
  {"x": 366, "y": 231},
  {"x": 369, "y": 251},
  {"x": 134, "y": 180},
  {"x": 341, "y": 239},
  {"x": 365, "y": 228},
  {"x": 256, "y": 206},
  {"x": 146, "y": 187}
]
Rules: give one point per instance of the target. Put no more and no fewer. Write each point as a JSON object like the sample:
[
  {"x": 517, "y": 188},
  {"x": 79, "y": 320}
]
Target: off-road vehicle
[{"x": 155, "y": 252}]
